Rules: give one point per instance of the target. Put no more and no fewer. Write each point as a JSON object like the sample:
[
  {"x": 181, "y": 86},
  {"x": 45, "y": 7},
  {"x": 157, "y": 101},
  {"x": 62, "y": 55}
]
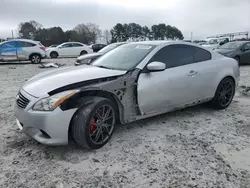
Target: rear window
[
  {"x": 40, "y": 44},
  {"x": 26, "y": 44},
  {"x": 201, "y": 55},
  {"x": 76, "y": 45}
]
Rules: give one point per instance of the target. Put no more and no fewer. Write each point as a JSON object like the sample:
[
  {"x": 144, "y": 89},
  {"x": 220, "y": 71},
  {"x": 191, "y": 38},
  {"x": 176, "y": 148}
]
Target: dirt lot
[{"x": 195, "y": 147}]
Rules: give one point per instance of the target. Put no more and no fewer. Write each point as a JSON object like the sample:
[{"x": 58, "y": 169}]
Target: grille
[{"x": 22, "y": 101}]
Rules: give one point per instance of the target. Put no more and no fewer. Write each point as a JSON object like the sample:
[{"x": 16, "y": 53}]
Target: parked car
[
  {"x": 132, "y": 82},
  {"x": 213, "y": 43},
  {"x": 68, "y": 49},
  {"x": 97, "y": 47},
  {"x": 89, "y": 58},
  {"x": 21, "y": 50},
  {"x": 239, "y": 50}
]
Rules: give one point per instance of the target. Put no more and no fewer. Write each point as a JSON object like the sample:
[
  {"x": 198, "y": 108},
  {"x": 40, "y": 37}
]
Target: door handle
[{"x": 192, "y": 73}]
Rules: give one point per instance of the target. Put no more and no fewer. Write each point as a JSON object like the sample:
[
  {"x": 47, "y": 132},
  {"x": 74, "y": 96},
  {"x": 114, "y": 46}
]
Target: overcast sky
[{"x": 202, "y": 17}]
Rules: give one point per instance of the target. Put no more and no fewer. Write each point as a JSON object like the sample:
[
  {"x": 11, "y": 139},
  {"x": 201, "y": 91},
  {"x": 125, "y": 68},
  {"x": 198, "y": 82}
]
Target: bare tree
[
  {"x": 107, "y": 36},
  {"x": 28, "y": 29},
  {"x": 88, "y": 33}
]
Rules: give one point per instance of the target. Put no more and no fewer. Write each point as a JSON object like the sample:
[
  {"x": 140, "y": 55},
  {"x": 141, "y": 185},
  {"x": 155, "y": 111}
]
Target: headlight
[{"x": 52, "y": 102}]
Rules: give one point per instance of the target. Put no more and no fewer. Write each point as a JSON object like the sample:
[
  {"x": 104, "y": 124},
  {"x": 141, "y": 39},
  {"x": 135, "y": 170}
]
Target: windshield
[
  {"x": 230, "y": 45},
  {"x": 125, "y": 57},
  {"x": 211, "y": 41},
  {"x": 108, "y": 48}
]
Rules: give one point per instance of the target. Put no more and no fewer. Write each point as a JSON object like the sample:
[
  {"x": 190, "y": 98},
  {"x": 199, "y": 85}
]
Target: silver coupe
[{"x": 134, "y": 81}]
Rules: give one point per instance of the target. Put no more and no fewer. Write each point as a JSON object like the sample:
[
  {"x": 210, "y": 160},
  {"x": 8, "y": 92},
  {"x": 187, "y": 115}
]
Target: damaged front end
[{"x": 122, "y": 90}]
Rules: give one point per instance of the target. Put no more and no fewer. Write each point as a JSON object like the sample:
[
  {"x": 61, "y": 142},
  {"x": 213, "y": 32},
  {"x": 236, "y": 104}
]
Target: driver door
[
  {"x": 8, "y": 51},
  {"x": 160, "y": 90},
  {"x": 182, "y": 83},
  {"x": 66, "y": 50}
]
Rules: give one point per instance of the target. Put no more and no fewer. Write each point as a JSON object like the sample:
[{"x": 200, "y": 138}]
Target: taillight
[{"x": 42, "y": 48}]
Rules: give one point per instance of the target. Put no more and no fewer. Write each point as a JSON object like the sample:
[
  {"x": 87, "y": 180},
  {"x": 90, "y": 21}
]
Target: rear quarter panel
[
  {"x": 224, "y": 67},
  {"x": 35, "y": 49}
]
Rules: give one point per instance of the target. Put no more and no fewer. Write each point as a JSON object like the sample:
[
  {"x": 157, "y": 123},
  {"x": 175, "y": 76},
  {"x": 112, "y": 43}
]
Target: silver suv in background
[{"x": 21, "y": 50}]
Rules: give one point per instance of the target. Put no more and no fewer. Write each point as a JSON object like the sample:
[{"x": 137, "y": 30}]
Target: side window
[
  {"x": 11, "y": 44},
  {"x": 179, "y": 55},
  {"x": 201, "y": 55},
  {"x": 8, "y": 47},
  {"x": 247, "y": 46},
  {"x": 77, "y": 45},
  {"x": 68, "y": 45},
  {"x": 26, "y": 44},
  {"x": 175, "y": 55},
  {"x": 162, "y": 55}
]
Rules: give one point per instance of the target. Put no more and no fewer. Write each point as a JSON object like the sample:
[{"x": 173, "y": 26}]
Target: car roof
[
  {"x": 70, "y": 42},
  {"x": 24, "y": 40},
  {"x": 153, "y": 42},
  {"x": 166, "y": 42}
]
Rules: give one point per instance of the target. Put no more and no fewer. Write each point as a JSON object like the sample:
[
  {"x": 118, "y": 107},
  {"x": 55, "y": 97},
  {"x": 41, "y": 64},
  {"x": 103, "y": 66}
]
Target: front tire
[
  {"x": 224, "y": 94},
  {"x": 53, "y": 55},
  {"x": 35, "y": 58},
  {"x": 83, "y": 52},
  {"x": 93, "y": 125}
]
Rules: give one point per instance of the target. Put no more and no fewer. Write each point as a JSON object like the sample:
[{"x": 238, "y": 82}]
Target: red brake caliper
[{"x": 92, "y": 126}]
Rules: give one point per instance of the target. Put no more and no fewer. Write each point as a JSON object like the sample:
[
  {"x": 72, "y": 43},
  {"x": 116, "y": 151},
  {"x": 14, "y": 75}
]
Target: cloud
[{"x": 202, "y": 17}]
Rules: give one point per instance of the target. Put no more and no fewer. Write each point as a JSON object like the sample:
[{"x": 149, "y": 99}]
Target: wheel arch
[
  {"x": 35, "y": 53},
  {"x": 84, "y": 50},
  {"x": 222, "y": 78},
  {"x": 84, "y": 98},
  {"x": 53, "y": 52}
]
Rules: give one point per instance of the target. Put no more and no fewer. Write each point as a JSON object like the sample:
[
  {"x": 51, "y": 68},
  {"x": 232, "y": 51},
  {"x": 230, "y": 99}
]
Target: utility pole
[
  {"x": 191, "y": 37},
  {"x": 12, "y": 34}
]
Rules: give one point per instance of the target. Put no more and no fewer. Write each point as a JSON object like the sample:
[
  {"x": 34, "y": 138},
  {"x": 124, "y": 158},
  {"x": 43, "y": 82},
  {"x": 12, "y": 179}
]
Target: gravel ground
[{"x": 194, "y": 147}]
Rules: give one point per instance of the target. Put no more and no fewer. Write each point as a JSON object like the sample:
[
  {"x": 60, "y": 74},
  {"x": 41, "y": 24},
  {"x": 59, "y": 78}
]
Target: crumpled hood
[
  {"x": 45, "y": 82},
  {"x": 89, "y": 56},
  {"x": 226, "y": 52}
]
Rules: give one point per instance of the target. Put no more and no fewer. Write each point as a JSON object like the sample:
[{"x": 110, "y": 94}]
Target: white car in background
[
  {"x": 214, "y": 43},
  {"x": 22, "y": 50},
  {"x": 68, "y": 49}
]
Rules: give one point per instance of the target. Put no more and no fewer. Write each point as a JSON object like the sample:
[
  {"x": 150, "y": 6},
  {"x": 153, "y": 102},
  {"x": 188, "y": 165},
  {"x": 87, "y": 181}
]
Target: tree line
[{"x": 90, "y": 33}]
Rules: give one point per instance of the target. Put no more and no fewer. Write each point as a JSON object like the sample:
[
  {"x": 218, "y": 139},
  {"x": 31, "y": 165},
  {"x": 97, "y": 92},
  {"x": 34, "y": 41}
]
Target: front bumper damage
[{"x": 49, "y": 128}]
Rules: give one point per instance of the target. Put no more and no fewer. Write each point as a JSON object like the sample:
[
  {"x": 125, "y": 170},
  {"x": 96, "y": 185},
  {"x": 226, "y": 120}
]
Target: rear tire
[
  {"x": 54, "y": 55},
  {"x": 224, "y": 94},
  {"x": 88, "y": 129},
  {"x": 35, "y": 58},
  {"x": 83, "y": 52}
]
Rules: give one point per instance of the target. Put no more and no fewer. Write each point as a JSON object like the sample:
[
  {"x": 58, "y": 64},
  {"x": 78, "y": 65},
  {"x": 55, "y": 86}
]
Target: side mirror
[{"x": 156, "y": 66}]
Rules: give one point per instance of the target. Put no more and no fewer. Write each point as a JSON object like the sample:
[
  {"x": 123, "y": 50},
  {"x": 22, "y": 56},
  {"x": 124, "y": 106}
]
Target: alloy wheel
[
  {"x": 102, "y": 124},
  {"x": 35, "y": 59},
  {"x": 226, "y": 93}
]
